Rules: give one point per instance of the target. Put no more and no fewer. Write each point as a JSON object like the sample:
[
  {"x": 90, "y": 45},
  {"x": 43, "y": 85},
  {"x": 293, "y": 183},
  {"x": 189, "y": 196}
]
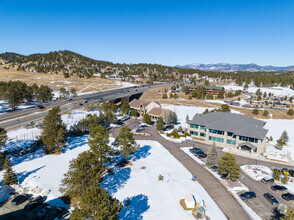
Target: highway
[{"x": 14, "y": 119}]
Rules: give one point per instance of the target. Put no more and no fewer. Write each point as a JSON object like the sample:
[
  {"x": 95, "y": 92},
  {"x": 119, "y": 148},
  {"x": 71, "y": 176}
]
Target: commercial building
[
  {"x": 214, "y": 90},
  {"x": 229, "y": 130}
]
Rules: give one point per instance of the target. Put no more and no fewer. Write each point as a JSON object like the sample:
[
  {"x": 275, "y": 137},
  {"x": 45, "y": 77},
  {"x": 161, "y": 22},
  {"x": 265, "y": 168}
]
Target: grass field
[{"x": 57, "y": 81}]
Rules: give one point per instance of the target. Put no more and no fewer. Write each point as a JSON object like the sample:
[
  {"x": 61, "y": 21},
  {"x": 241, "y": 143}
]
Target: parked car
[
  {"x": 267, "y": 180},
  {"x": 44, "y": 210},
  {"x": 40, "y": 106},
  {"x": 285, "y": 171},
  {"x": 20, "y": 199},
  {"x": 278, "y": 188},
  {"x": 34, "y": 203},
  {"x": 271, "y": 198},
  {"x": 288, "y": 196},
  {"x": 248, "y": 195},
  {"x": 201, "y": 154},
  {"x": 214, "y": 168},
  {"x": 69, "y": 99},
  {"x": 195, "y": 149},
  {"x": 291, "y": 173},
  {"x": 86, "y": 101},
  {"x": 81, "y": 103},
  {"x": 53, "y": 213}
]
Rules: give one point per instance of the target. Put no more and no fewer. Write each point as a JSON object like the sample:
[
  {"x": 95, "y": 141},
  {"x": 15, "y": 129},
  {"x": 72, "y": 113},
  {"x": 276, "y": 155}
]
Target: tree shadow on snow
[
  {"x": 23, "y": 175},
  {"x": 135, "y": 209},
  {"x": 74, "y": 142},
  {"x": 142, "y": 152}
]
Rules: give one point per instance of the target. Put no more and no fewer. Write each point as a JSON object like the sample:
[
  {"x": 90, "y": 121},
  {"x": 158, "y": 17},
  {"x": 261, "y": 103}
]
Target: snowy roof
[{"x": 238, "y": 124}]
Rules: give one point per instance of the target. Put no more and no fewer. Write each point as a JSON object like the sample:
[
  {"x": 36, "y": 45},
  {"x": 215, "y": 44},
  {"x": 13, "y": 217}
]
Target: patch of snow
[
  {"x": 273, "y": 153},
  {"x": 257, "y": 172}
]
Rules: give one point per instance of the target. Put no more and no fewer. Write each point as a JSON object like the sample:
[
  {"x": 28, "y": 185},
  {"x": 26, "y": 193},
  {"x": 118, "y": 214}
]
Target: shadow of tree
[
  {"x": 142, "y": 152},
  {"x": 137, "y": 206},
  {"x": 23, "y": 175}
]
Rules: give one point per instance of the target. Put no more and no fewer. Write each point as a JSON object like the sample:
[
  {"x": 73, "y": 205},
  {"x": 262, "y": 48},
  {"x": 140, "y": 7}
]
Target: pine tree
[
  {"x": 159, "y": 124},
  {"x": 126, "y": 142},
  {"x": 9, "y": 175},
  {"x": 125, "y": 107},
  {"x": 147, "y": 119},
  {"x": 134, "y": 113},
  {"x": 265, "y": 113},
  {"x": 280, "y": 144},
  {"x": 228, "y": 165},
  {"x": 3, "y": 136},
  {"x": 99, "y": 144},
  {"x": 284, "y": 137},
  {"x": 96, "y": 203},
  {"x": 172, "y": 118},
  {"x": 255, "y": 111},
  {"x": 206, "y": 111},
  {"x": 84, "y": 172},
  {"x": 2, "y": 161},
  {"x": 276, "y": 175},
  {"x": 53, "y": 131},
  {"x": 212, "y": 156}
]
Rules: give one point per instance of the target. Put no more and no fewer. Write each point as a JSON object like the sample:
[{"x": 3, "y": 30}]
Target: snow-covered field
[
  {"x": 183, "y": 111},
  {"x": 160, "y": 199},
  {"x": 273, "y": 153},
  {"x": 277, "y": 91},
  {"x": 257, "y": 172}
]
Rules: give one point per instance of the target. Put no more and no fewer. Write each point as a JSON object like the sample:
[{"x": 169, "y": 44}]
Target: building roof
[
  {"x": 238, "y": 124},
  {"x": 158, "y": 111},
  {"x": 248, "y": 145},
  {"x": 137, "y": 103},
  {"x": 206, "y": 87}
]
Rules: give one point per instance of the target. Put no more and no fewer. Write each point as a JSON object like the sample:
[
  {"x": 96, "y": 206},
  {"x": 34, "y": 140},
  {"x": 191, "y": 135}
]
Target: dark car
[
  {"x": 291, "y": 173},
  {"x": 271, "y": 198},
  {"x": 34, "y": 203},
  {"x": 195, "y": 149},
  {"x": 200, "y": 154},
  {"x": 53, "y": 213},
  {"x": 86, "y": 101},
  {"x": 40, "y": 106},
  {"x": 248, "y": 195},
  {"x": 288, "y": 196},
  {"x": 20, "y": 199},
  {"x": 278, "y": 188},
  {"x": 44, "y": 210},
  {"x": 81, "y": 103},
  {"x": 267, "y": 180}
]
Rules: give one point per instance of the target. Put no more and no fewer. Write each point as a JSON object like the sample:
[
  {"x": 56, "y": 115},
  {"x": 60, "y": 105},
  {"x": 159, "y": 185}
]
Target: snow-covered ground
[
  {"x": 277, "y": 91},
  {"x": 183, "y": 111},
  {"x": 257, "y": 172},
  {"x": 176, "y": 140},
  {"x": 4, "y": 106},
  {"x": 158, "y": 199},
  {"x": 273, "y": 153}
]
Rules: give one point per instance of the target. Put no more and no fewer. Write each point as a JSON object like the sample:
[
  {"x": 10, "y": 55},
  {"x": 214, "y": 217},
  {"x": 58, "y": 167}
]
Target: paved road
[
  {"x": 215, "y": 189},
  {"x": 19, "y": 118}
]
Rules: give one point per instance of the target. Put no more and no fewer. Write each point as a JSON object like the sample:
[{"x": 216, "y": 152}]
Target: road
[{"x": 11, "y": 120}]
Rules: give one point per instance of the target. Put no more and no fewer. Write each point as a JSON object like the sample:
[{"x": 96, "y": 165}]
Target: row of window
[
  {"x": 194, "y": 126},
  {"x": 243, "y": 138},
  {"x": 231, "y": 142},
  {"x": 196, "y": 133},
  {"x": 217, "y": 139},
  {"x": 216, "y": 132}
]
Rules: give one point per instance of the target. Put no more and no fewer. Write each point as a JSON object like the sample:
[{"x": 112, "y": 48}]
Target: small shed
[{"x": 190, "y": 201}]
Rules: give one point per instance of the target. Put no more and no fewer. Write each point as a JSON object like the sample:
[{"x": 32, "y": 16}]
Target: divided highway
[{"x": 19, "y": 118}]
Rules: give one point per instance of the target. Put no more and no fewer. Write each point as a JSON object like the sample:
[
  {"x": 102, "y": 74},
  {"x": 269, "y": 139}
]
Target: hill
[{"x": 70, "y": 63}]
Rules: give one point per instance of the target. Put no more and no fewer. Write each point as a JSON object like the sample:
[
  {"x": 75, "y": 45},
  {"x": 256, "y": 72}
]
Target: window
[
  {"x": 242, "y": 138},
  {"x": 202, "y": 127},
  {"x": 194, "y": 133},
  {"x": 220, "y": 140},
  {"x": 193, "y": 126},
  {"x": 230, "y": 134},
  {"x": 231, "y": 142},
  {"x": 202, "y": 134},
  {"x": 216, "y": 132},
  {"x": 212, "y": 138}
]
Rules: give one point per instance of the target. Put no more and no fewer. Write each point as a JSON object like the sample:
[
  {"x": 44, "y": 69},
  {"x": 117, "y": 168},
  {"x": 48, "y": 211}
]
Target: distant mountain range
[{"x": 227, "y": 67}]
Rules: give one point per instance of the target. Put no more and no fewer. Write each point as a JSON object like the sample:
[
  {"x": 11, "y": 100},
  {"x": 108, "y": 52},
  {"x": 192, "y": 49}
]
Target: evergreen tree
[
  {"x": 126, "y": 142},
  {"x": 164, "y": 96},
  {"x": 9, "y": 175},
  {"x": 159, "y": 124},
  {"x": 2, "y": 161},
  {"x": 284, "y": 137},
  {"x": 228, "y": 165},
  {"x": 73, "y": 92},
  {"x": 172, "y": 118},
  {"x": 53, "y": 131},
  {"x": 84, "y": 172},
  {"x": 290, "y": 112},
  {"x": 265, "y": 113},
  {"x": 96, "y": 203},
  {"x": 147, "y": 119},
  {"x": 276, "y": 175},
  {"x": 99, "y": 144},
  {"x": 125, "y": 107},
  {"x": 3, "y": 136},
  {"x": 255, "y": 111},
  {"x": 212, "y": 156},
  {"x": 134, "y": 113},
  {"x": 280, "y": 144}
]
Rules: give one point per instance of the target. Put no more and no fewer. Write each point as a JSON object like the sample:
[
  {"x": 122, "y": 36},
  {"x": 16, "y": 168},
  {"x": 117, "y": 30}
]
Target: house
[
  {"x": 214, "y": 90},
  {"x": 156, "y": 113},
  {"x": 143, "y": 106},
  {"x": 229, "y": 130}
]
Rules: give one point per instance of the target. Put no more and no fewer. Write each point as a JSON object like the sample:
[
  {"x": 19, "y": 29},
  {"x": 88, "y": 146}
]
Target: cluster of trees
[
  {"x": 67, "y": 93},
  {"x": 283, "y": 140},
  {"x": 222, "y": 108},
  {"x": 82, "y": 181},
  {"x": 17, "y": 92}
]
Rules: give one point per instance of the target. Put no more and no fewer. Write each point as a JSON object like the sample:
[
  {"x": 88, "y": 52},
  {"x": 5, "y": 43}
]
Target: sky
[{"x": 163, "y": 32}]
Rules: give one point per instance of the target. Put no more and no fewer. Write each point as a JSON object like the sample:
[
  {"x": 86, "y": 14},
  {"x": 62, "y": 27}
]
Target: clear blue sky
[{"x": 164, "y": 32}]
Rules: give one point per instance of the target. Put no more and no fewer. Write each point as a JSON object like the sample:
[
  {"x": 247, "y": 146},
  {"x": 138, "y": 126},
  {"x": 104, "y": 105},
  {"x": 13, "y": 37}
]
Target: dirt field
[{"x": 57, "y": 81}]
